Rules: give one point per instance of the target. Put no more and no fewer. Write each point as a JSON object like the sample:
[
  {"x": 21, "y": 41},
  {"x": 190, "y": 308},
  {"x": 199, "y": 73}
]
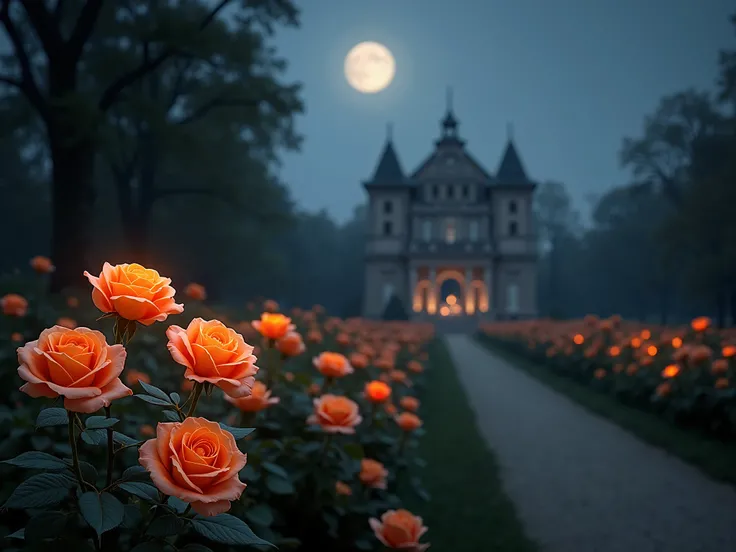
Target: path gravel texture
[{"x": 582, "y": 484}]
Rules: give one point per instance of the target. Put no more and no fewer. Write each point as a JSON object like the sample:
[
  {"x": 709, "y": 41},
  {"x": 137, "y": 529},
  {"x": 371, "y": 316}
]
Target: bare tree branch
[
  {"x": 27, "y": 83},
  {"x": 83, "y": 28},
  {"x": 111, "y": 94},
  {"x": 11, "y": 81},
  {"x": 206, "y": 107},
  {"x": 46, "y": 28}
]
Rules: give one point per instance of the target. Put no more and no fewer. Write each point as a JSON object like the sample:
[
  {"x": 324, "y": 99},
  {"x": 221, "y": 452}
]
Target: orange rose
[
  {"x": 291, "y": 344},
  {"x": 314, "y": 336},
  {"x": 408, "y": 421},
  {"x": 195, "y": 291},
  {"x": 373, "y": 474},
  {"x": 196, "y": 461},
  {"x": 332, "y": 365},
  {"x": 358, "y": 360},
  {"x": 214, "y": 353},
  {"x": 134, "y": 376},
  {"x": 273, "y": 325},
  {"x": 400, "y": 529},
  {"x": 42, "y": 265},
  {"x": 335, "y": 414},
  {"x": 343, "y": 489},
  {"x": 269, "y": 305},
  {"x": 14, "y": 305},
  {"x": 409, "y": 403},
  {"x": 377, "y": 391},
  {"x": 76, "y": 364},
  {"x": 259, "y": 398},
  {"x": 72, "y": 302},
  {"x": 67, "y": 322},
  {"x": 16, "y": 336},
  {"x": 415, "y": 366},
  {"x": 134, "y": 293}
]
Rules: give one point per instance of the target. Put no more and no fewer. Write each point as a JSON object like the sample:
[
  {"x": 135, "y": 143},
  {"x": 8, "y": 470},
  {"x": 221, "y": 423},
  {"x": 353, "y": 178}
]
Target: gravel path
[{"x": 582, "y": 484}]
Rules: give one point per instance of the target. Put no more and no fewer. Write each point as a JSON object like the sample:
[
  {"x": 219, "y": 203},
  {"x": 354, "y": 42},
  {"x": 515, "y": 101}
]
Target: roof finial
[
  {"x": 510, "y": 131},
  {"x": 389, "y": 132}
]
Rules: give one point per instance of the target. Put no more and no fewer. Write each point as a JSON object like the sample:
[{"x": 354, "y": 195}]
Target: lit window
[
  {"x": 450, "y": 231},
  {"x": 473, "y": 230}
]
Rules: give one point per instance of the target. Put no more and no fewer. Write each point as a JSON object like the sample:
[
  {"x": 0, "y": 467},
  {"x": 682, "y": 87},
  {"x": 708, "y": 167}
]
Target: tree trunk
[{"x": 73, "y": 196}]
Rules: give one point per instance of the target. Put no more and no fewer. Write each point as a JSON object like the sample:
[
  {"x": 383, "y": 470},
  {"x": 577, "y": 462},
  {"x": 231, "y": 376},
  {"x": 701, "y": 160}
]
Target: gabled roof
[
  {"x": 388, "y": 171},
  {"x": 463, "y": 158},
  {"x": 511, "y": 170}
]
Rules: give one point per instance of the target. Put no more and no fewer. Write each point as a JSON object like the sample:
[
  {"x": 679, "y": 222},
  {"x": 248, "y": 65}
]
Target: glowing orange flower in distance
[
  {"x": 273, "y": 325},
  {"x": 377, "y": 391}
]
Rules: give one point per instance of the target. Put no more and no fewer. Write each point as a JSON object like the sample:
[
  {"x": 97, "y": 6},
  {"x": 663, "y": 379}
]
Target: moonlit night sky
[{"x": 572, "y": 76}]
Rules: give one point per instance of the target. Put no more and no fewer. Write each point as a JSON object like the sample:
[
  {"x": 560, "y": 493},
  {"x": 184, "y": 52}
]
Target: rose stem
[
  {"x": 197, "y": 392},
  {"x": 110, "y": 451},
  {"x": 75, "y": 453}
]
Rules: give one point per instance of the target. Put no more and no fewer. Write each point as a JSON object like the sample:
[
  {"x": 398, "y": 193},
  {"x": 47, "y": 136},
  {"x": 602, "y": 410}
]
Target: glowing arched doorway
[{"x": 449, "y": 288}]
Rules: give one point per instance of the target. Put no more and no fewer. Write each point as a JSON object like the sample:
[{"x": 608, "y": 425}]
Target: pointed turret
[
  {"x": 511, "y": 170},
  {"x": 388, "y": 170}
]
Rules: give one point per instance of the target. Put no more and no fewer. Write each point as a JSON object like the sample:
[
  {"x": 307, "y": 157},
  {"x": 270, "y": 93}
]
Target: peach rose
[
  {"x": 408, "y": 421},
  {"x": 196, "y": 461},
  {"x": 195, "y": 291},
  {"x": 332, "y": 365},
  {"x": 400, "y": 530},
  {"x": 273, "y": 325},
  {"x": 291, "y": 344},
  {"x": 314, "y": 336},
  {"x": 358, "y": 360},
  {"x": 214, "y": 353},
  {"x": 343, "y": 489},
  {"x": 259, "y": 399},
  {"x": 377, "y": 391},
  {"x": 14, "y": 305},
  {"x": 409, "y": 403},
  {"x": 76, "y": 364},
  {"x": 335, "y": 414},
  {"x": 42, "y": 265},
  {"x": 134, "y": 293},
  {"x": 373, "y": 474}
]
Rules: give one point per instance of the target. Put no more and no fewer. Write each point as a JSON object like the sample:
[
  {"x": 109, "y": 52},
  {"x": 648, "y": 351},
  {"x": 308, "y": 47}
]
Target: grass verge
[
  {"x": 468, "y": 511},
  {"x": 715, "y": 458}
]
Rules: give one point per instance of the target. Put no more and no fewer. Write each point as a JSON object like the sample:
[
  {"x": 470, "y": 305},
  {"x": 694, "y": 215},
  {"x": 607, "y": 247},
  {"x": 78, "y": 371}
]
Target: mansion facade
[{"x": 451, "y": 239}]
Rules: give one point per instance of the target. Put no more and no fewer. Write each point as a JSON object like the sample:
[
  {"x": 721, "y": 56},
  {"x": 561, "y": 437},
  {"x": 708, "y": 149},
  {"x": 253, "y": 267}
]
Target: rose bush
[{"x": 241, "y": 432}]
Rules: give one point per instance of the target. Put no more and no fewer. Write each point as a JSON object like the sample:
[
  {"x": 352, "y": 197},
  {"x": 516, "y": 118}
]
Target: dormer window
[{"x": 512, "y": 207}]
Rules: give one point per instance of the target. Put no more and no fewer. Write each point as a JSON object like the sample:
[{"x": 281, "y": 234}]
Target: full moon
[{"x": 369, "y": 67}]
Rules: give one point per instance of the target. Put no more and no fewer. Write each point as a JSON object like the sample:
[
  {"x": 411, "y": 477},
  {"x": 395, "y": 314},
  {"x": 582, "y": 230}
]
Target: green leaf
[
  {"x": 100, "y": 422},
  {"x": 154, "y": 400},
  {"x": 50, "y": 417},
  {"x": 37, "y": 460},
  {"x": 354, "y": 451},
  {"x": 45, "y": 525},
  {"x": 141, "y": 490},
  {"x": 89, "y": 472},
  {"x": 20, "y": 534},
  {"x": 177, "y": 504},
  {"x": 310, "y": 447},
  {"x": 238, "y": 432},
  {"x": 171, "y": 416},
  {"x": 165, "y": 526},
  {"x": 41, "y": 442},
  {"x": 226, "y": 529},
  {"x": 260, "y": 514},
  {"x": 275, "y": 469},
  {"x": 249, "y": 473},
  {"x": 175, "y": 398},
  {"x": 94, "y": 436},
  {"x": 103, "y": 511},
  {"x": 124, "y": 440},
  {"x": 38, "y": 491},
  {"x": 195, "y": 548},
  {"x": 132, "y": 516},
  {"x": 154, "y": 391},
  {"x": 135, "y": 473},
  {"x": 279, "y": 485}
]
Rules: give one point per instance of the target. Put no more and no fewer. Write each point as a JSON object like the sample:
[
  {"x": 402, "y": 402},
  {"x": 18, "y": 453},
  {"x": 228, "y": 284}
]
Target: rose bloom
[
  {"x": 358, "y": 360},
  {"x": 314, "y": 336},
  {"x": 134, "y": 376},
  {"x": 259, "y": 399},
  {"x": 409, "y": 403},
  {"x": 134, "y": 293},
  {"x": 42, "y": 265},
  {"x": 415, "y": 366},
  {"x": 408, "y": 421},
  {"x": 196, "y": 461},
  {"x": 76, "y": 364},
  {"x": 269, "y": 305},
  {"x": 14, "y": 305},
  {"x": 343, "y": 489},
  {"x": 291, "y": 344},
  {"x": 17, "y": 337},
  {"x": 195, "y": 291},
  {"x": 373, "y": 474},
  {"x": 72, "y": 302},
  {"x": 335, "y": 414},
  {"x": 273, "y": 325},
  {"x": 399, "y": 530},
  {"x": 377, "y": 391},
  {"x": 66, "y": 322},
  {"x": 214, "y": 353},
  {"x": 332, "y": 365},
  {"x": 314, "y": 389},
  {"x": 343, "y": 339}
]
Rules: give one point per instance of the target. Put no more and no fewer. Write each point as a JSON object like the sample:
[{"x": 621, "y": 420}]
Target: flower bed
[
  {"x": 686, "y": 374},
  {"x": 240, "y": 432}
]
